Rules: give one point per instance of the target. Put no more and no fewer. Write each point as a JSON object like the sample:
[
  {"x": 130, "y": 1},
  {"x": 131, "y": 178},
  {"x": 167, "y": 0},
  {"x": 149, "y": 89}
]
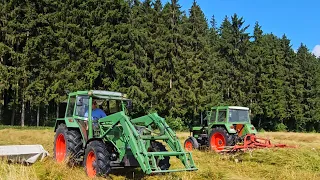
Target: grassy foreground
[{"x": 300, "y": 163}]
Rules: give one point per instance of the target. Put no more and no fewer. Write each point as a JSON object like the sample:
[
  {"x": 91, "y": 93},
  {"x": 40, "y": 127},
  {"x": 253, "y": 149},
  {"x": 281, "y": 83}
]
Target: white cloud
[{"x": 316, "y": 50}]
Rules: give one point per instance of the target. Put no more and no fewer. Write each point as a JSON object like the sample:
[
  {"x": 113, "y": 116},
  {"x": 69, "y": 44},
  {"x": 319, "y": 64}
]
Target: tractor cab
[
  {"x": 235, "y": 119},
  {"x": 228, "y": 114},
  {"x": 82, "y": 104},
  {"x": 108, "y": 102}
]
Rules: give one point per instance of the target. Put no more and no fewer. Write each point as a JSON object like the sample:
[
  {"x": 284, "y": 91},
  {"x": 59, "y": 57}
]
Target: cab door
[
  {"x": 80, "y": 112},
  {"x": 222, "y": 116}
]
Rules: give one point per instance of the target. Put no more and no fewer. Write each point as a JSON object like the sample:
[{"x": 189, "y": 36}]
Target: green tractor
[
  {"x": 103, "y": 141},
  {"x": 222, "y": 127}
]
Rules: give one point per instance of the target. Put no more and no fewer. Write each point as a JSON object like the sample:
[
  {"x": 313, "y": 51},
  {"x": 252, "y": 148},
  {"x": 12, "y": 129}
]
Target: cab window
[
  {"x": 222, "y": 115},
  {"x": 213, "y": 116},
  {"x": 113, "y": 106},
  {"x": 71, "y": 104}
]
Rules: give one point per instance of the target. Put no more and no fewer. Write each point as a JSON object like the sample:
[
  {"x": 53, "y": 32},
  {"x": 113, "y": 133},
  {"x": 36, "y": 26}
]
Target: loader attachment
[
  {"x": 27, "y": 154},
  {"x": 183, "y": 156},
  {"x": 168, "y": 136},
  {"x": 140, "y": 142}
]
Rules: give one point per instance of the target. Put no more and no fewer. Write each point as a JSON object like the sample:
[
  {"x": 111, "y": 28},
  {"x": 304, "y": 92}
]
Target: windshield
[{"x": 238, "y": 115}]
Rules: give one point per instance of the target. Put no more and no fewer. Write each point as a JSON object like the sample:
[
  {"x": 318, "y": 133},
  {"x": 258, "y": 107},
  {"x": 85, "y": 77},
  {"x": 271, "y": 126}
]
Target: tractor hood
[{"x": 244, "y": 129}]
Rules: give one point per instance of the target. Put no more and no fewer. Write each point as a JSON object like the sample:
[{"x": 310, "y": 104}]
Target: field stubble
[{"x": 297, "y": 163}]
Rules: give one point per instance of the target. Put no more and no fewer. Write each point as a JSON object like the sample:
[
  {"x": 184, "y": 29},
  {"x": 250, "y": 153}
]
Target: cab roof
[
  {"x": 101, "y": 94},
  {"x": 230, "y": 107}
]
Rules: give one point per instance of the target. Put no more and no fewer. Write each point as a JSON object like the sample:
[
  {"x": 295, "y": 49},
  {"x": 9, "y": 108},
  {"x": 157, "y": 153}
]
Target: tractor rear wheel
[
  {"x": 219, "y": 138},
  {"x": 190, "y": 144},
  {"x": 97, "y": 159},
  {"x": 67, "y": 143},
  {"x": 164, "y": 164}
]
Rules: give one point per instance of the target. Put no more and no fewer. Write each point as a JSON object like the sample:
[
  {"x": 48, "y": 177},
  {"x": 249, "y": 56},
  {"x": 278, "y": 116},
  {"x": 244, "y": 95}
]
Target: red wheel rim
[
  {"x": 188, "y": 146},
  {"x": 61, "y": 148},
  {"x": 217, "y": 142},
  {"x": 91, "y": 158}
]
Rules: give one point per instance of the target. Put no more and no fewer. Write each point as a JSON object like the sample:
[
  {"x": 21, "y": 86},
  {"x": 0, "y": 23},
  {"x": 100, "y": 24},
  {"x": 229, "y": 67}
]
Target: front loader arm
[{"x": 138, "y": 145}]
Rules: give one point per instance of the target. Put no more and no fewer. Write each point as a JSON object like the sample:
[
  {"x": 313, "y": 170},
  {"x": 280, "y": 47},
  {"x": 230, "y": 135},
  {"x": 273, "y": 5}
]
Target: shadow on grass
[
  {"x": 133, "y": 173},
  {"x": 129, "y": 173}
]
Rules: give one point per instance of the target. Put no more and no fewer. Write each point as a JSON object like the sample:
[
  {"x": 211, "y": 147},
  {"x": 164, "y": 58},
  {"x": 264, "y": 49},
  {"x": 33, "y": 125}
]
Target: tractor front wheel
[
  {"x": 190, "y": 144},
  {"x": 219, "y": 138},
  {"x": 97, "y": 162},
  {"x": 67, "y": 143}
]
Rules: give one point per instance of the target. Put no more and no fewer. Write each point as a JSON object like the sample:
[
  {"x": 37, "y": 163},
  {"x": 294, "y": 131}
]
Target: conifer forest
[{"x": 177, "y": 63}]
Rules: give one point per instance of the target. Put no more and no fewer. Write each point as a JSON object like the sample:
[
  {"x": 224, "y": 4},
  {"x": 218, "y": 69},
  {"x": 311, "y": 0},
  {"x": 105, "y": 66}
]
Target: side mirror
[
  {"x": 201, "y": 118},
  {"x": 129, "y": 105}
]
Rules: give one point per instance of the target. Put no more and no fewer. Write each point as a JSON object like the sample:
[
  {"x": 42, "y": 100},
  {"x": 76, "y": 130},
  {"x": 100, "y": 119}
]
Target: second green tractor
[{"x": 223, "y": 126}]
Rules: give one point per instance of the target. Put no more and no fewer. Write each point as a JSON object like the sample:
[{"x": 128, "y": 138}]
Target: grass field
[{"x": 300, "y": 163}]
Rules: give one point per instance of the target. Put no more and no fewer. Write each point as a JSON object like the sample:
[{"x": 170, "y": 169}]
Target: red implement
[{"x": 253, "y": 142}]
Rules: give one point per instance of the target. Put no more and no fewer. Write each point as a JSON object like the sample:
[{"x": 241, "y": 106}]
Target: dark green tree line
[{"x": 167, "y": 60}]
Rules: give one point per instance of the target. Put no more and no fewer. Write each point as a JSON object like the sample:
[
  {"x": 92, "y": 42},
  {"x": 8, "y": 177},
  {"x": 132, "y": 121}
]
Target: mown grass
[{"x": 302, "y": 162}]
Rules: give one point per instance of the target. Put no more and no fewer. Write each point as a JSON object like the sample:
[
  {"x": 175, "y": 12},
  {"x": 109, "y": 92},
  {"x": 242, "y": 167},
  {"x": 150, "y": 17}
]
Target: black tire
[
  {"x": 101, "y": 164},
  {"x": 224, "y": 139},
  {"x": 73, "y": 145},
  {"x": 164, "y": 164},
  {"x": 191, "y": 140}
]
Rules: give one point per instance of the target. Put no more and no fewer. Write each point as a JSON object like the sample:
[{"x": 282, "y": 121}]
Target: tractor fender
[
  {"x": 102, "y": 140},
  {"x": 93, "y": 139},
  {"x": 69, "y": 122},
  {"x": 229, "y": 127},
  {"x": 58, "y": 121}
]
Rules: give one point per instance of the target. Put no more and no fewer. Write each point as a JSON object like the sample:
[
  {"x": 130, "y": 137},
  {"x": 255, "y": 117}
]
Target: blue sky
[{"x": 298, "y": 19}]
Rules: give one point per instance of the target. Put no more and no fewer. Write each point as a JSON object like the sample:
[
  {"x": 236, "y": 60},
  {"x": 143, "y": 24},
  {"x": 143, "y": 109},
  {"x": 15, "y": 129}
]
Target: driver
[{"x": 96, "y": 113}]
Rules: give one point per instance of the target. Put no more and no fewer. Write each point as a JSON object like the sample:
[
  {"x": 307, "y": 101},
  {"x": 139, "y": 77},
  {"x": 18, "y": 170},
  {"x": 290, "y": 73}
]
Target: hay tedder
[
  {"x": 227, "y": 129},
  {"x": 101, "y": 143}
]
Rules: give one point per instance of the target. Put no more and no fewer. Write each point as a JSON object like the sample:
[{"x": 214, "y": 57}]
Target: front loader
[
  {"x": 227, "y": 129},
  {"x": 115, "y": 140}
]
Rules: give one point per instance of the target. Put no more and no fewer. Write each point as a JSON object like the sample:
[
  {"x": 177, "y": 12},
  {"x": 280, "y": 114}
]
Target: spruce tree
[
  {"x": 233, "y": 49},
  {"x": 194, "y": 62}
]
